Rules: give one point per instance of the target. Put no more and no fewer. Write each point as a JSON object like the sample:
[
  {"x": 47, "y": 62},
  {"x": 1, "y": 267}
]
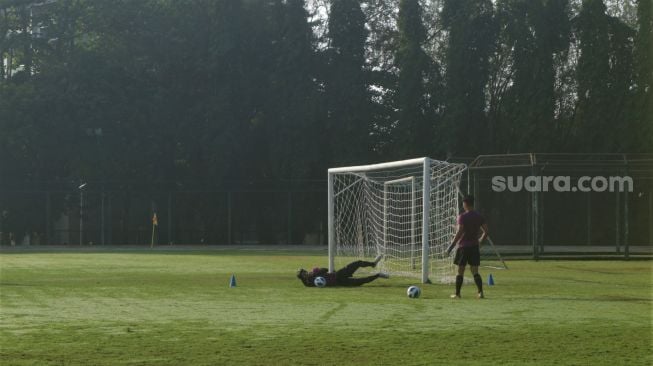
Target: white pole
[
  {"x": 426, "y": 193},
  {"x": 412, "y": 222},
  {"x": 330, "y": 224},
  {"x": 385, "y": 217}
]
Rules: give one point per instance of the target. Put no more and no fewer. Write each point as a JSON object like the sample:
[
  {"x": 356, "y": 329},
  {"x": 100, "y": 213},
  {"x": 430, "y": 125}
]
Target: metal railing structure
[{"x": 551, "y": 222}]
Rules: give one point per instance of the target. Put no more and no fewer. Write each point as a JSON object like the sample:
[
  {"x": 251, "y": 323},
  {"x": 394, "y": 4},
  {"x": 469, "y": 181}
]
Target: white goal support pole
[
  {"x": 385, "y": 213},
  {"x": 401, "y": 181},
  {"x": 331, "y": 227},
  {"x": 390, "y": 208},
  {"x": 412, "y": 222},
  {"x": 426, "y": 201}
]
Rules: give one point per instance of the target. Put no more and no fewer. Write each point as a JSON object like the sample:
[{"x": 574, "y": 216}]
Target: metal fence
[
  {"x": 552, "y": 222},
  {"x": 93, "y": 216},
  {"x": 536, "y": 224}
]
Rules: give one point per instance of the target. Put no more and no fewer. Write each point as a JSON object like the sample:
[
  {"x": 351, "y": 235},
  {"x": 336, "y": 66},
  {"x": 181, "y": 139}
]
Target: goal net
[{"x": 405, "y": 210}]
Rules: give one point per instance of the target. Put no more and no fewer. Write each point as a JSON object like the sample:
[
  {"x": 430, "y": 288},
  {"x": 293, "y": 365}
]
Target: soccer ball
[
  {"x": 319, "y": 281},
  {"x": 413, "y": 292}
]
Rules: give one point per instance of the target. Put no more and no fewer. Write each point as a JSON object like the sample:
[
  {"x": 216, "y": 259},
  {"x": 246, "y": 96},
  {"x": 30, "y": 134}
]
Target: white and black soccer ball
[
  {"x": 413, "y": 292},
  {"x": 319, "y": 281}
]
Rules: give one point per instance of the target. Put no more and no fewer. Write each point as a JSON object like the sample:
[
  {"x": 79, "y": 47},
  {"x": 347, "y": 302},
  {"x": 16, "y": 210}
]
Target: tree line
[
  {"x": 249, "y": 90},
  {"x": 177, "y": 92}
]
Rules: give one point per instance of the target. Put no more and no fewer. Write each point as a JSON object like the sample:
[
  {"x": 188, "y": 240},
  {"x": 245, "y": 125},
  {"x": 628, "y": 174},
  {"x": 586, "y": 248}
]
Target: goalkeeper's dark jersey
[{"x": 309, "y": 279}]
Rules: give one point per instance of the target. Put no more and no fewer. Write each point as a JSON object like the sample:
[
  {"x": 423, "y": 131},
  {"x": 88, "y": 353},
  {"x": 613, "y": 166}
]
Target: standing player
[
  {"x": 468, "y": 252},
  {"x": 342, "y": 277}
]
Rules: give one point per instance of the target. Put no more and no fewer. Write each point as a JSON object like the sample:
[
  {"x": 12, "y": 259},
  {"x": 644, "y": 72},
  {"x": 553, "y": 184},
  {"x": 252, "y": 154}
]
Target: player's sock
[
  {"x": 378, "y": 259},
  {"x": 459, "y": 284},
  {"x": 479, "y": 283}
]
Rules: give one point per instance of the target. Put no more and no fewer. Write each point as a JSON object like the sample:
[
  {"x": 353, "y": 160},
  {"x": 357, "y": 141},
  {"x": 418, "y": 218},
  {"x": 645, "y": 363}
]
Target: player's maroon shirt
[{"x": 471, "y": 222}]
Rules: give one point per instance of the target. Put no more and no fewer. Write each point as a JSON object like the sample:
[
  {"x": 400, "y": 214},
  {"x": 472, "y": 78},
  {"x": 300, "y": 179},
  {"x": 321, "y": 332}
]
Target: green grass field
[{"x": 177, "y": 309}]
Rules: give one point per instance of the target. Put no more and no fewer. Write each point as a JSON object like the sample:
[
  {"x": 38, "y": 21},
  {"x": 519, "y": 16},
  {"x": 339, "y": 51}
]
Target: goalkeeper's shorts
[{"x": 468, "y": 255}]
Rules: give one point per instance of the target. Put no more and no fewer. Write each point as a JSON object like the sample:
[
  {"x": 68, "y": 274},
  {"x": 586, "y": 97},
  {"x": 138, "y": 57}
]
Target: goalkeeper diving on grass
[
  {"x": 343, "y": 276},
  {"x": 470, "y": 223}
]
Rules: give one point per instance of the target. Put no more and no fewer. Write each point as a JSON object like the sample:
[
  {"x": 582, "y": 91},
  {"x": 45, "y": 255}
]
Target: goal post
[
  {"x": 392, "y": 208},
  {"x": 426, "y": 207}
]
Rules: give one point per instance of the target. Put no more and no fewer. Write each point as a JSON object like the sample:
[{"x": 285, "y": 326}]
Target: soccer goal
[{"x": 405, "y": 210}]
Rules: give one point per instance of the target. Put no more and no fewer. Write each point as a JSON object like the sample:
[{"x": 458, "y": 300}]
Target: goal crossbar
[{"x": 379, "y": 166}]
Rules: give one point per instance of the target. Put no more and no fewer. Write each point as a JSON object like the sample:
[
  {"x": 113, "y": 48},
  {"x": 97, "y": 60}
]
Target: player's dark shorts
[{"x": 468, "y": 255}]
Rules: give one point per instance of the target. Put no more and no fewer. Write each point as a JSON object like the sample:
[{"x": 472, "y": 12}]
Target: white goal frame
[{"x": 425, "y": 179}]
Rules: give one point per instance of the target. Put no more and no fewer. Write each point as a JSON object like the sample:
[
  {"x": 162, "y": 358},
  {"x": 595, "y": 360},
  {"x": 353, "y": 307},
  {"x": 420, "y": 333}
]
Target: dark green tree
[
  {"x": 291, "y": 104},
  {"x": 604, "y": 76},
  {"x": 534, "y": 32},
  {"x": 643, "y": 105},
  {"x": 289, "y": 111},
  {"x": 471, "y": 38},
  {"x": 418, "y": 75},
  {"x": 347, "y": 81}
]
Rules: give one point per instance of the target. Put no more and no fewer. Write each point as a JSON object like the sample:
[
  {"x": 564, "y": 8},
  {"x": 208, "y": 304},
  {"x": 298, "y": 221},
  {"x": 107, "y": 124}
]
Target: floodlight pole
[
  {"x": 48, "y": 219},
  {"x": 650, "y": 217},
  {"x": 535, "y": 215},
  {"x": 626, "y": 227},
  {"x": 229, "y": 229},
  {"x": 97, "y": 132},
  {"x": 81, "y": 213},
  {"x": 81, "y": 217},
  {"x": 617, "y": 223}
]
